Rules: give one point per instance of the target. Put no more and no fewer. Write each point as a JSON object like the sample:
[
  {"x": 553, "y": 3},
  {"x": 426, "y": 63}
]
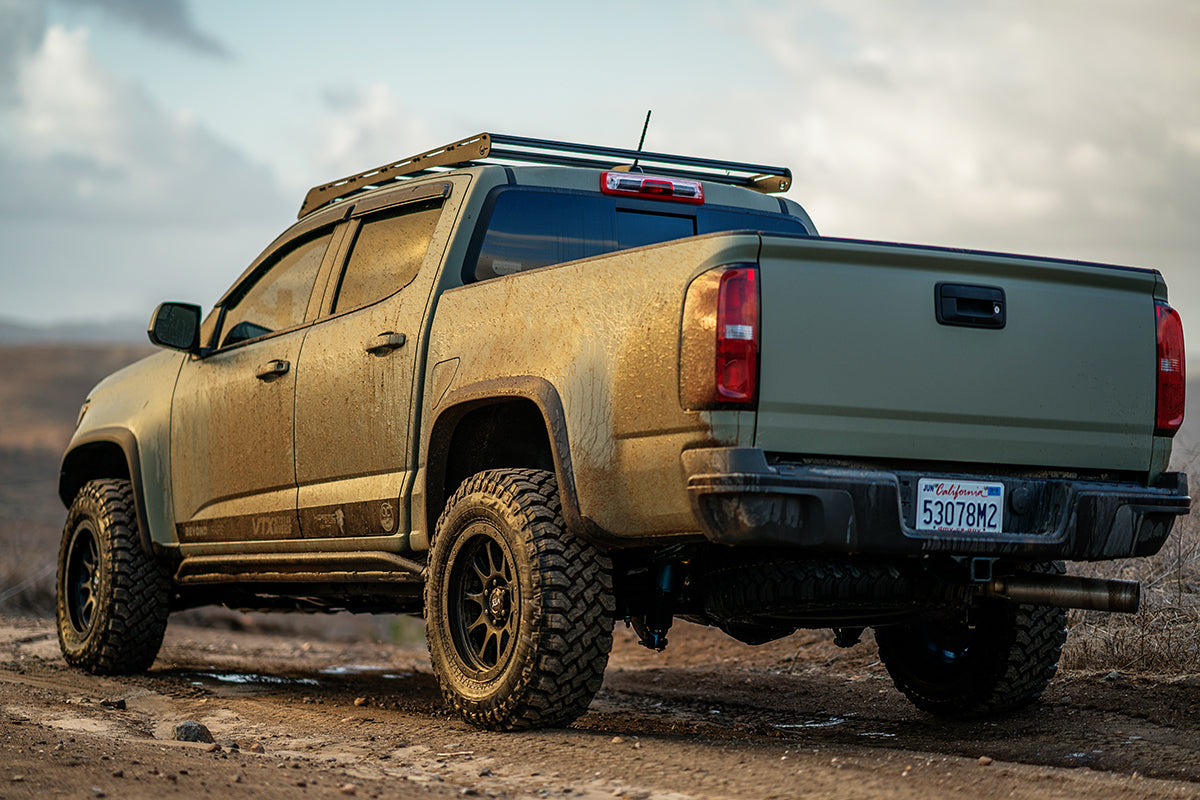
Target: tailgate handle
[{"x": 969, "y": 306}]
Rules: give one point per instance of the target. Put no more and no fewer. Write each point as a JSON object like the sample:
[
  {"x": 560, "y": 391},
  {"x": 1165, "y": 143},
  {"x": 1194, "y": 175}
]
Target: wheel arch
[
  {"x": 106, "y": 453},
  {"x": 513, "y": 422}
]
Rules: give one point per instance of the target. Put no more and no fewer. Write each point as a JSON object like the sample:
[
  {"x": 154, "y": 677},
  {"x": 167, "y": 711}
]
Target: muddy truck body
[{"x": 528, "y": 389}]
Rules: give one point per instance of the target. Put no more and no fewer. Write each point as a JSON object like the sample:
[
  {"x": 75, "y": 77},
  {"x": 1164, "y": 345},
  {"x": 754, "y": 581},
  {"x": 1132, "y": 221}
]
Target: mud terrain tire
[
  {"x": 518, "y": 612},
  {"x": 112, "y": 598},
  {"x": 1001, "y": 662}
]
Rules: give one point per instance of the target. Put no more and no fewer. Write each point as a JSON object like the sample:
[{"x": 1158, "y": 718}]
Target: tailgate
[{"x": 854, "y": 362}]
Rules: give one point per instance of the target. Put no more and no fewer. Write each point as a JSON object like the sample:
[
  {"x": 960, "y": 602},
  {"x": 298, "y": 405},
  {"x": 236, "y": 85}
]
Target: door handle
[
  {"x": 385, "y": 343},
  {"x": 272, "y": 370},
  {"x": 969, "y": 306}
]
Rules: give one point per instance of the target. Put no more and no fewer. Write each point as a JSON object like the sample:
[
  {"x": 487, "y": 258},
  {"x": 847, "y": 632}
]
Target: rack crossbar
[{"x": 482, "y": 148}]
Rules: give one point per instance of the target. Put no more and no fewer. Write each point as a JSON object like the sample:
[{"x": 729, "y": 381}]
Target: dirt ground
[{"x": 709, "y": 718}]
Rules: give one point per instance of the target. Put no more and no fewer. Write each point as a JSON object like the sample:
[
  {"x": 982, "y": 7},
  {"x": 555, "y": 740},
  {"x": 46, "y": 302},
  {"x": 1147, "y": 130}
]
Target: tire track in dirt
[{"x": 707, "y": 719}]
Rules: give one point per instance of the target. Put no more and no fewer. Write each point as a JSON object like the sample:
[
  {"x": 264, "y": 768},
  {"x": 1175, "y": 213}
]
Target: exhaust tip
[{"x": 1068, "y": 591}]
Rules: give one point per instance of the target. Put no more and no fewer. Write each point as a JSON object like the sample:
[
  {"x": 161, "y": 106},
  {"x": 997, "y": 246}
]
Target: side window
[
  {"x": 387, "y": 254},
  {"x": 279, "y": 297}
]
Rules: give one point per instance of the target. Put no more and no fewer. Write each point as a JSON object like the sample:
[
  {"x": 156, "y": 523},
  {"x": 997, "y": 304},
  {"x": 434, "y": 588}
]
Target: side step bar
[
  {"x": 350, "y": 567},
  {"x": 1067, "y": 591}
]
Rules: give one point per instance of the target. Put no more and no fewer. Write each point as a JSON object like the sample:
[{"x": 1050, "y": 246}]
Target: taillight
[
  {"x": 1172, "y": 380},
  {"x": 636, "y": 184},
  {"x": 737, "y": 336},
  {"x": 720, "y": 342}
]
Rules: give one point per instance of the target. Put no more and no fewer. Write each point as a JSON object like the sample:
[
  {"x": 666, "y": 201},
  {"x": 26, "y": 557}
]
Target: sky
[{"x": 150, "y": 149}]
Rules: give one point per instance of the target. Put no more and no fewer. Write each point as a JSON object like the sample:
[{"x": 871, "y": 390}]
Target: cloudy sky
[{"x": 150, "y": 148}]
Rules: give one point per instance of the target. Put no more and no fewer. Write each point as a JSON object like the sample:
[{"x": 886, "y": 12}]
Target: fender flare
[
  {"x": 459, "y": 402},
  {"x": 73, "y": 472}
]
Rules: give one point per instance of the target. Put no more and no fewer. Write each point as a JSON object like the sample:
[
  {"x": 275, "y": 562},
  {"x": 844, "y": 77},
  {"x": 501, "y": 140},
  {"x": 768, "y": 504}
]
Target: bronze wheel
[
  {"x": 518, "y": 611},
  {"x": 113, "y": 598}
]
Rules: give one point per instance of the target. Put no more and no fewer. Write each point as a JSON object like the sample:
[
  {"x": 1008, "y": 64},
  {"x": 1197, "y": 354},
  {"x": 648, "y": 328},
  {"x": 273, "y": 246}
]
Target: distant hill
[{"x": 123, "y": 330}]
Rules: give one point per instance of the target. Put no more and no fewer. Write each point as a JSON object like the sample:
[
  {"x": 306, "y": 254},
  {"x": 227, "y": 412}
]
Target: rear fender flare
[{"x": 461, "y": 401}]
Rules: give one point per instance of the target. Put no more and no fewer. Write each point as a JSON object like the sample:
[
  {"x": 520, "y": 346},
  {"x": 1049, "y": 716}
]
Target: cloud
[
  {"x": 1063, "y": 127},
  {"x": 83, "y": 144},
  {"x": 366, "y": 128},
  {"x": 21, "y": 27},
  {"x": 113, "y": 201},
  {"x": 167, "y": 19}
]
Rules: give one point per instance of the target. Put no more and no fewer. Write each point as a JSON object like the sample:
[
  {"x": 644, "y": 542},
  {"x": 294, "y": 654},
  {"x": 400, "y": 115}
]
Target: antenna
[{"x": 642, "y": 141}]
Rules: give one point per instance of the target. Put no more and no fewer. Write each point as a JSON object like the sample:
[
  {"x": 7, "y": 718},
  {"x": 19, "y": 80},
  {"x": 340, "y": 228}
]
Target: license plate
[{"x": 959, "y": 506}]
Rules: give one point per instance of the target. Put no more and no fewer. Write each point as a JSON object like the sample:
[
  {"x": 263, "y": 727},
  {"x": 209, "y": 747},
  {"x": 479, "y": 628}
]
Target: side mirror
[{"x": 177, "y": 326}]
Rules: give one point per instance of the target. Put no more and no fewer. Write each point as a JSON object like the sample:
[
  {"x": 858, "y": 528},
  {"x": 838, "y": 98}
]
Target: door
[
  {"x": 232, "y": 451},
  {"x": 354, "y": 389}
]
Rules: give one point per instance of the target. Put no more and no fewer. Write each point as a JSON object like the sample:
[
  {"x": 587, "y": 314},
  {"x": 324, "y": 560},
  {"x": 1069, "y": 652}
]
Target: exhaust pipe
[{"x": 1067, "y": 591}]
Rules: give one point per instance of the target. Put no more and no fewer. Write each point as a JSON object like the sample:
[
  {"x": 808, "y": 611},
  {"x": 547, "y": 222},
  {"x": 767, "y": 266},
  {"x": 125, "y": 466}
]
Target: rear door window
[{"x": 387, "y": 254}]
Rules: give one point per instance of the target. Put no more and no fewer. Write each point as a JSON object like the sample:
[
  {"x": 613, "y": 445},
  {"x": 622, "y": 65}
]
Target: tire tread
[
  {"x": 573, "y": 631},
  {"x": 133, "y": 604}
]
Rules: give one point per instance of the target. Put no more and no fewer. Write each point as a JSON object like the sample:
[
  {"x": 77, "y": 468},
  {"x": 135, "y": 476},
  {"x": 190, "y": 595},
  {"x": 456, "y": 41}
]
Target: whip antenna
[{"x": 642, "y": 141}]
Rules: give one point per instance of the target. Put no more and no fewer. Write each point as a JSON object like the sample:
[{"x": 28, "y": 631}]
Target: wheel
[
  {"x": 518, "y": 612},
  {"x": 112, "y": 598},
  {"x": 999, "y": 659}
]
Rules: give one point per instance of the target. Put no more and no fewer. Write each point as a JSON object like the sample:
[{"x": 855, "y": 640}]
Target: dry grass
[
  {"x": 1164, "y": 636},
  {"x": 26, "y": 579},
  {"x": 31, "y": 519}
]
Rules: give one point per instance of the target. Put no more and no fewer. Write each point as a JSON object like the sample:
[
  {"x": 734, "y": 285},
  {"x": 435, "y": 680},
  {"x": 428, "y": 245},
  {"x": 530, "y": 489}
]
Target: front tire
[
  {"x": 112, "y": 597},
  {"x": 999, "y": 660},
  {"x": 518, "y": 611}
]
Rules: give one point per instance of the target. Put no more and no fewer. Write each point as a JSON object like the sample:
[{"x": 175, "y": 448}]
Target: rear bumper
[{"x": 739, "y": 499}]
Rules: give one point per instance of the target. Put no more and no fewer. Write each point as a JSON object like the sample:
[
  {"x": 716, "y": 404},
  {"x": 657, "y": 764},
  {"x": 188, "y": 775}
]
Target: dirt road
[{"x": 709, "y": 718}]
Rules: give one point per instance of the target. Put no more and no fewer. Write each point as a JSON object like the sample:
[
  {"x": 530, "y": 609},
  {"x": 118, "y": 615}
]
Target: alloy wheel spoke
[{"x": 485, "y": 619}]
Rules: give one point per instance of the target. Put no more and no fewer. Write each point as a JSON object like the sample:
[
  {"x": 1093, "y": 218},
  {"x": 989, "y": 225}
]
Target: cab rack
[{"x": 499, "y": 148}]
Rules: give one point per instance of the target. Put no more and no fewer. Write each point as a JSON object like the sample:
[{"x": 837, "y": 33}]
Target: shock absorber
[{"x": 666, "y": 579}]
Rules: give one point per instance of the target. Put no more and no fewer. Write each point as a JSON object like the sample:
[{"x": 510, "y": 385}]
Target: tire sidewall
[
  {"x": 475, "y": 514},
  {"x": 87, "y": 517}
]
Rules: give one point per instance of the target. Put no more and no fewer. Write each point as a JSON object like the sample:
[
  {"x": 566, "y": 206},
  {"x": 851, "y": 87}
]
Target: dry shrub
[
  {"x": 26, "y": 579},
  {"x": 1164, "y": 636}
]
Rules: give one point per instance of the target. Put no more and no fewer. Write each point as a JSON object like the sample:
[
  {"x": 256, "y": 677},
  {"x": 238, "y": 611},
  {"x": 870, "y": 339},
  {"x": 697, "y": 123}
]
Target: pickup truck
[{"x": 528, "y": 388}]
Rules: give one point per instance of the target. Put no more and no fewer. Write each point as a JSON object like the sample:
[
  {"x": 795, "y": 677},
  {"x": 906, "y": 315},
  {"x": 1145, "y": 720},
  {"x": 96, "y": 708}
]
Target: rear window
[{"x": 530, "y": 228}]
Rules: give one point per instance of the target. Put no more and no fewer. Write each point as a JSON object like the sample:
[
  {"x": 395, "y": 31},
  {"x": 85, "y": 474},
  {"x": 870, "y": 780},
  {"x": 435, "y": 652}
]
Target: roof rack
[{"x": 498, "y": 148}]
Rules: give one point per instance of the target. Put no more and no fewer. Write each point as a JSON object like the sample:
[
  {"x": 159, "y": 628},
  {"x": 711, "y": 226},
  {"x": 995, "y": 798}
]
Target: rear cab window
[{"x": 526, "y": 228}]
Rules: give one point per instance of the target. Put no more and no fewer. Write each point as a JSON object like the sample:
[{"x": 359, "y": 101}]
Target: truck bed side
[{"x": 604, "y": 332}]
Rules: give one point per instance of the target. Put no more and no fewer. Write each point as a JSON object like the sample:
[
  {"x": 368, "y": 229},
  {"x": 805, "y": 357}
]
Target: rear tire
[
  {"x": 518, "y": 611},
  {"x": 112, "y": 597},
  {"x": 1001, "y": 661}
]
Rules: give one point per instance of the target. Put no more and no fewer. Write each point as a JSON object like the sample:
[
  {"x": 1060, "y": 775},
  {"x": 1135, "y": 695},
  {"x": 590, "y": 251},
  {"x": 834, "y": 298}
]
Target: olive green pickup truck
[{"x": 528, "y": 388}]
